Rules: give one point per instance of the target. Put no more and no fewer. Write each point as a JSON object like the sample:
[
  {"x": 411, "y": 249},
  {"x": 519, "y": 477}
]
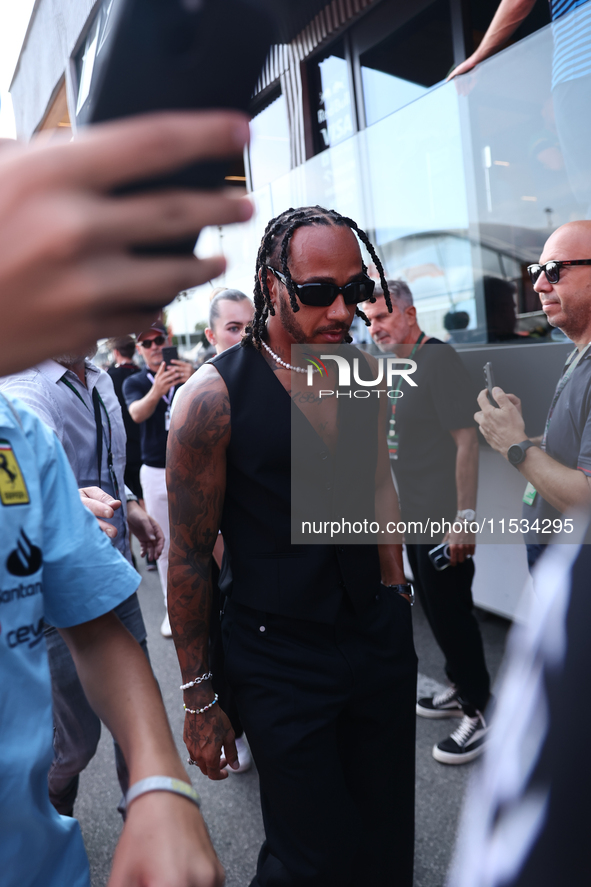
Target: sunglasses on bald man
[{"x": 552, "y": 269}]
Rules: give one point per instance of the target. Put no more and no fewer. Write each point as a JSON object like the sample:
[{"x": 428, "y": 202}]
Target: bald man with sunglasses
[{"x": 557, "y": 465}]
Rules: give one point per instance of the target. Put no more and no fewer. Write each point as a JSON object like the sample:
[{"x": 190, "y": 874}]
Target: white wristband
[{"x": 161, "y": 784}]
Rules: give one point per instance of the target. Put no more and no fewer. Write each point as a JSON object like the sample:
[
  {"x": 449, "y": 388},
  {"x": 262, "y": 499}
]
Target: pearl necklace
[{"x": 282, "y": 363}]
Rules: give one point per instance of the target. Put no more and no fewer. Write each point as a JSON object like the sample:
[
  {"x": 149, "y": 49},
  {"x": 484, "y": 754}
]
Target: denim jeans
[{"x": 76, "y": 728}]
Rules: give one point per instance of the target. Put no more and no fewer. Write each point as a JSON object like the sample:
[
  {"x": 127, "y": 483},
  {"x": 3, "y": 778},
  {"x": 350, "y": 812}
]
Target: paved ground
[{"x": 231, "y": 807}]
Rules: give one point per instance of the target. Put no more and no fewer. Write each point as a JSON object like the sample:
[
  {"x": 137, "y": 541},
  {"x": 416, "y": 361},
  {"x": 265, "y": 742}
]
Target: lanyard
[
  {"x": 570, "y": 368},
  {"x": 97, "y": 403},
  {"x": 392, "y": 434}
]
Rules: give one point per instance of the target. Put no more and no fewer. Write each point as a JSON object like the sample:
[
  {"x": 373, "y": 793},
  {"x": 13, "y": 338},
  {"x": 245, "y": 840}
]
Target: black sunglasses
[
  {"x": 552, "y": 269},
  {"x": 157, "y": 340},
  {"x": 321, "y": 295}
]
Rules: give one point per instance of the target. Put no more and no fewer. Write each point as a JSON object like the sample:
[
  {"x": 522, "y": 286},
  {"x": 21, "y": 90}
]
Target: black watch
[
  {"x": 403, "y": 589},
  {"x": 516, "y": 453}
]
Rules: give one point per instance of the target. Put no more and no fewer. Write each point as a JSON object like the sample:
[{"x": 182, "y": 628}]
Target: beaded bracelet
[
  {"x": 199, "y": 711},
  {"x": 204, "y": 677}
]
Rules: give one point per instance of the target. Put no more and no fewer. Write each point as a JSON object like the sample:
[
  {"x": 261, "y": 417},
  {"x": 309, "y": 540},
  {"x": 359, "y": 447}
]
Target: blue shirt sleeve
[{"x": 84, "y": 576}]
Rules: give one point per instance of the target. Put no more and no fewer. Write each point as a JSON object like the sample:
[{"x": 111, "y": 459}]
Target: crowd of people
[{"x": 305, "y": 651}]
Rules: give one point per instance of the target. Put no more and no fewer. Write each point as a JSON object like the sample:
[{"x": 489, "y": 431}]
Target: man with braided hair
[{"x": 318, "y": 638}]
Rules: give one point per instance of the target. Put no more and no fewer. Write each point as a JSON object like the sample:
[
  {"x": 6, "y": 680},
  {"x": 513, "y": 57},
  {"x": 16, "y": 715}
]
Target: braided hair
[{"x": 275, "y": 244}]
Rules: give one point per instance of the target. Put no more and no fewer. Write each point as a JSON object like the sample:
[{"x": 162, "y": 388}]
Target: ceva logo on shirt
[{"x": 26, "y": 634}]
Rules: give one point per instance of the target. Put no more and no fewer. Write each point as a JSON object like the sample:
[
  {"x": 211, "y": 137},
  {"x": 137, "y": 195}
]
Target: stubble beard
[
  {"x": 291, "y": 326},
  {"x": 576, "y": 321},
  {"x": 289, "y": 322},
  {"x": 70, "y": 360}
]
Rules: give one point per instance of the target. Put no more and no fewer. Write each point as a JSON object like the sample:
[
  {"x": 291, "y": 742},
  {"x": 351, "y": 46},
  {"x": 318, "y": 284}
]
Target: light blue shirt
[
  {"x": 55, "y": 563},
  {"x": 43, "y": 388}
]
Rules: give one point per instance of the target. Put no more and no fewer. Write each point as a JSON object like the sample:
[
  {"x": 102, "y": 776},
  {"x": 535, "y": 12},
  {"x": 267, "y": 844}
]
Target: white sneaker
[
  {"x": 441, "y": 705},
  {"x": 465, "y": 744},
  {"x": 165, "y": 629},
  {"x": 244, "y": 757}
]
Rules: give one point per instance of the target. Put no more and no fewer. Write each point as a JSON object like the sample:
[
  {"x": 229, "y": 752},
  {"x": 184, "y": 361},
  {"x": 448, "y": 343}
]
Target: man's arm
[
  {"x": 564, "y": 488},
  {"x": 164, "y": 838},
  {"x": 466, "y": 440},
  {"x": 196, "y": 481},
  {"x": 69, "y": 274},
  {"x": 147, "y": 531},
  {"x": 144, "y": 407},
  {"x": 506, "y": 20}
]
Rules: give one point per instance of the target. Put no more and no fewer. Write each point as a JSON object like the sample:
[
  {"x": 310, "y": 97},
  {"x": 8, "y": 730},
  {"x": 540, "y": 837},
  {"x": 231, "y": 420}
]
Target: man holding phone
[
  {"x": 557, "y": 464},
  {"x": 434, "y": 456},
  {"x": 149, "y": 396}
]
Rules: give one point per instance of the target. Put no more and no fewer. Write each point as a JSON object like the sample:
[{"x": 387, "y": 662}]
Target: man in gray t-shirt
[{"x": 557, "y": 465}]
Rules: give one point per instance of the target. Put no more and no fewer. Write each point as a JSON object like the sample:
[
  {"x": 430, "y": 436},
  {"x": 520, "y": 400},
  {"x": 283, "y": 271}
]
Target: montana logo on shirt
[{"x": 13, "y": 489}]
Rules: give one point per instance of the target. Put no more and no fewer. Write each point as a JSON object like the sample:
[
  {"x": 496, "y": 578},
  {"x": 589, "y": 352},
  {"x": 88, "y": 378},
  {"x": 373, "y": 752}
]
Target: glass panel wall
[
  {"x": 459, "y": 190},
  {"x": 268, "y": 152}
]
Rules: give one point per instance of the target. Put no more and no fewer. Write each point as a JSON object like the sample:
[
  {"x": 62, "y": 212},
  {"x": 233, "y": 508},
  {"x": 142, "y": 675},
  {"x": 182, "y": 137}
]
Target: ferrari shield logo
[{"x": 13, "y": 489}]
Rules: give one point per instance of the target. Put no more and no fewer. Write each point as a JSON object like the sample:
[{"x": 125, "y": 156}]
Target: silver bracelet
[
  {"x": 199, "y": 711},
  {"x": 204, "y": 677},
  {"x": 161, "y": 784}
]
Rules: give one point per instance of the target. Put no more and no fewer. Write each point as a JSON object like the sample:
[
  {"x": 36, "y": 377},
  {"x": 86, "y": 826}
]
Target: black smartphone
[
  {"x": 489, "y": 379},
  {"x": 170, "y": 353},
  {"x": 439, "y": 556},
  {"x": 154, "y": 55}
]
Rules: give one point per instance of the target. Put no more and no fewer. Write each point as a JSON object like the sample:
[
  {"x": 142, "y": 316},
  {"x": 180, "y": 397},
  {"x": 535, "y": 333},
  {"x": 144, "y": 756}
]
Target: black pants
[
  {"x": 446, "y": 598},
  {"x": 329, "y": 714}
]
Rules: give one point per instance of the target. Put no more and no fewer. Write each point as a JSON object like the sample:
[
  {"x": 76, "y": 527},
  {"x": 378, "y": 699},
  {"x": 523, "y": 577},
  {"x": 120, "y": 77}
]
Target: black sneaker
[
  {"x": 465, "y": 744},
  {"x": 442, "y": 705}
]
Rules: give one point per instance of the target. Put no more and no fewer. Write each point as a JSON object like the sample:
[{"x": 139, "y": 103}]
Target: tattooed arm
[{"x": 196, "y": 480}]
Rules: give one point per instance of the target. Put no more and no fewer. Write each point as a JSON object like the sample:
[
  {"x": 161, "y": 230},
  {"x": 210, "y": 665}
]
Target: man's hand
[
  {"x": 165, "y": 841},
  {"x": 69, "y": 273},
  {"x": 168, "y": 376},
  {"x": 205, "y": 735},
  {"x": 102, "y": 506},
  {"x": 184, "y": 370},
  {"x": 501, "y": 427},
  {"x": 148, "y": 532},
  {"x": 464, "y": 67},
  {"x": 461, "y": 545}
]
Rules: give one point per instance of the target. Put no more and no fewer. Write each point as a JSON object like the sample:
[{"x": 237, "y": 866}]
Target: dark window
[
  {"x": 85, "y": 57},
  {"x": 331, "y": 100},
  {"x": 481, "y": 13},
  {"x": 405, "y": 64}
]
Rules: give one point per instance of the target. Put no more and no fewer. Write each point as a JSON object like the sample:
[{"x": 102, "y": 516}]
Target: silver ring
[{"x": 191, "y": 761}]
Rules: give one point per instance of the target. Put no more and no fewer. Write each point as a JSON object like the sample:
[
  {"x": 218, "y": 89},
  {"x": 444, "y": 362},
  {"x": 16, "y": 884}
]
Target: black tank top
[{"x": 262, "y": 569}]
